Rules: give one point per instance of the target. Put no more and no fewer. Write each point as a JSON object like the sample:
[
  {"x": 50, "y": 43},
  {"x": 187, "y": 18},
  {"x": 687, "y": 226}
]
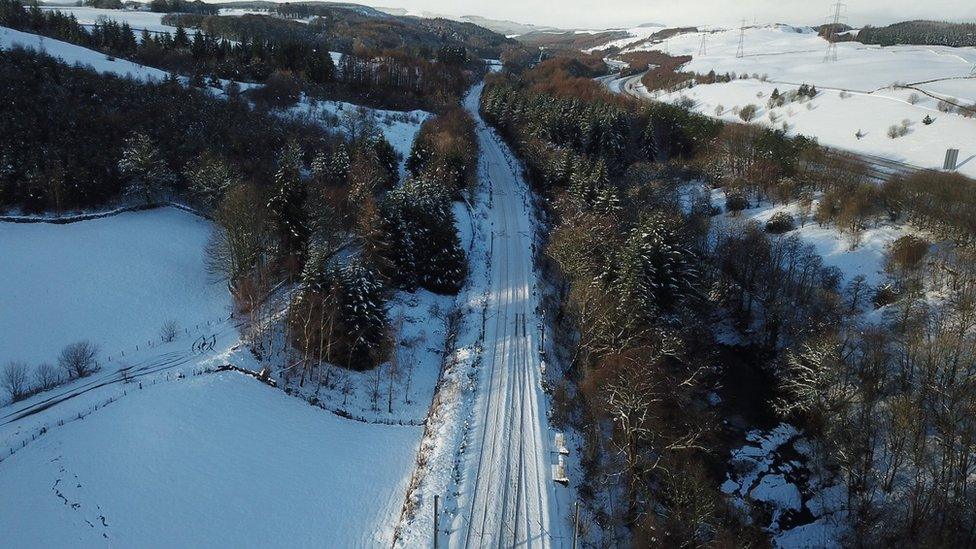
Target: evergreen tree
[
  {"x": 286, "y": 205},
  {"x": 424, "y": 248},
  {"x": 209, "y": 177},
  {"x": 144, "y": 168},
  {"x": 656, "y": 270}
]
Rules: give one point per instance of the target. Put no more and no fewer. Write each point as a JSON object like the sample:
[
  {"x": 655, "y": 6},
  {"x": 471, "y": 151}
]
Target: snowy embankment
[
  {"x": 211, "y": 458},
  {"x": 837, "y": 118},
  {"x": 152, "y": 450},
  {"x": 113, "y": 281},
  {"x": 858, "y": 101}
]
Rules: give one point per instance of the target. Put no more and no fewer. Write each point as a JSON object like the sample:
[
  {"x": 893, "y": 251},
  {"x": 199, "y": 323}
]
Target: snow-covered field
[
  {"x": 796, "y": 54},
  {"x": 113, "y": 281},
  {"x": 138, "y": 20},
  {"x": 856, "y": 93},
  {"x": 71, "y": 54},
  {"x": 216, "y": 459}
]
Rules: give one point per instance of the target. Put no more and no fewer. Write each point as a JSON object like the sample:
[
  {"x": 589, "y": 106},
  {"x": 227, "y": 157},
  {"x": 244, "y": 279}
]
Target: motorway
[{"x": 507, "y": 493}]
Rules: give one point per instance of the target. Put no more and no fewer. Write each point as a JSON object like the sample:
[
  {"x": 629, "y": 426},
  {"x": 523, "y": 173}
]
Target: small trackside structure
[{"x": 559, "y": 472}]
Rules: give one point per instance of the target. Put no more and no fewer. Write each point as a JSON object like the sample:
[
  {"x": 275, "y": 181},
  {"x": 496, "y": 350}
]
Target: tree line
[{"x": 937, "y": 33}]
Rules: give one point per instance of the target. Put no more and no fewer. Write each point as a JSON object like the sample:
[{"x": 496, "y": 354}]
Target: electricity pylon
[
  {"x": 741, "y": 52},
  {"x": 701, "y": 49},
  {"x": 831, "y": 54}
]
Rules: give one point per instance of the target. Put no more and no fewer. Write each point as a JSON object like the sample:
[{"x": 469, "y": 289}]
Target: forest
[
  {"x": 936, "y": 33},
  {"x": 644, "y": 272},
  {"x": 254, "y": 49}
]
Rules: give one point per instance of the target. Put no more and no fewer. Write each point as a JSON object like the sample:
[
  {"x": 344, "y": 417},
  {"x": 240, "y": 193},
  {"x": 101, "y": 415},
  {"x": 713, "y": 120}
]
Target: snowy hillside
[
  {"x": 113, "y": 281},
  {"x": 71, "y": 54},
  {"x": 217, "y": 458},
  {"x": 857, "y": 104},
  {"x": 796, "y": 54}
]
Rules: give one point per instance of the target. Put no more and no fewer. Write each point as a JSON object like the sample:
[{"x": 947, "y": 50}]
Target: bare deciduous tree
[
  {"x": 46, "y": 376},
  {"x": 15, "y": 379},
  {"x": 79, "y": 359},
  {"x": 169, "y": 331}
]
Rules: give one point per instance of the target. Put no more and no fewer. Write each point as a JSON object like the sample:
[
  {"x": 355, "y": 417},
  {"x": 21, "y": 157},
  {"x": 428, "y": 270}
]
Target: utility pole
[
  {"x": 576, "y": 525},
  {"x": 831, "y": 34},
  {"x": 436, "y": 525},
  {"x": 741, "y": 52}
]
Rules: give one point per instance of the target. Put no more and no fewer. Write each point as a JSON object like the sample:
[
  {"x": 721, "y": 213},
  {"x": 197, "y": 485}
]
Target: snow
[
  {"x": 776, "y": 490},
  {"x": 215, "y": 456},
  {"x": 398, "y": 127},
  {"x": 762, "y": 472},
  {"x": 113, "y": 281},
  {"x": 77, "y": 55},
  {"x": 634, "y": 35},
  {"x": 138, "y": 20},
  {"x": 836, "y": 249}
]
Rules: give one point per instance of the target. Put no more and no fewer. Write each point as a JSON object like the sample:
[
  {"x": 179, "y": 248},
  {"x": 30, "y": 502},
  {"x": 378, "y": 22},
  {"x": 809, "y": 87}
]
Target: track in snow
[{"x": 507, "y": 494}]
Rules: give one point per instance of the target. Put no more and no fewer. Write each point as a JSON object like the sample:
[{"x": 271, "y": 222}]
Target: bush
[
  {"x": 735, "y": 202},
  {"x": 169, "y": 331},
  {"x": 946, "y": 105},
  {"x": 14, "y": 379},
  {"x": 46, "y": 376},
  {"x": 907, "y": 252},
  {"x": 79, "y": 359},
  {"x": 748, "y": 112},
  {"x": 885, "y": 295},
  {"x": 280, "y": 90},
  {"x": 779, "y": 223}
]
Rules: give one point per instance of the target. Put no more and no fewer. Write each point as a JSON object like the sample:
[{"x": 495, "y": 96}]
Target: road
[{"x": 507, "y": 494}]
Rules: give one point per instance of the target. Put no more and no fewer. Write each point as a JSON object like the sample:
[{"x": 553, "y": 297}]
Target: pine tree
[
  {"x": 423, "y": 244},
  {"x": 145, "y": 168},
  {"x": 286, "y": 205},
  {"x": 656, "y": 270},
  {"x": 209, "y": 177}
]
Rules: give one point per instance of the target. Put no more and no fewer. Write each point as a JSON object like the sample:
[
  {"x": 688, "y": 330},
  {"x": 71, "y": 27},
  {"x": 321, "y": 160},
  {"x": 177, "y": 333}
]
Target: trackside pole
[
  {"x": 575, "y": 524},
  {"x": 436, "y": 498}
]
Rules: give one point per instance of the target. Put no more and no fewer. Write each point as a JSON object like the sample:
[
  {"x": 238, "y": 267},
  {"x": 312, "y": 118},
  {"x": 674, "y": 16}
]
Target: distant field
[
  {"x": 138, "y": 20},
  {"x": 784, "y": 57},
  {"x": 796, "y": 54}
]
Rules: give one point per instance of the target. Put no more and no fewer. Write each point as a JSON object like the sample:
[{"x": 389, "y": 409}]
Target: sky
[{"x": 589, "y": 14}]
